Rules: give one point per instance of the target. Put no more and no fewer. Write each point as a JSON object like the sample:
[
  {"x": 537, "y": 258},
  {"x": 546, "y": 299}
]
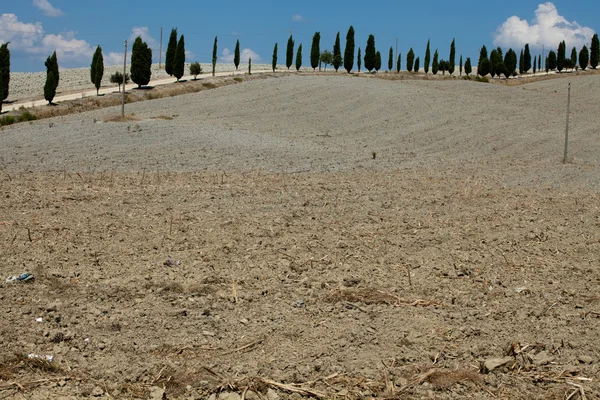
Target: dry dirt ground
[{"x": 306, "y": 236}]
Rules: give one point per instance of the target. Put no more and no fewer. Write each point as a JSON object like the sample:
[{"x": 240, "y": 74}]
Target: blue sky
[{"x": 74, "y": 28}]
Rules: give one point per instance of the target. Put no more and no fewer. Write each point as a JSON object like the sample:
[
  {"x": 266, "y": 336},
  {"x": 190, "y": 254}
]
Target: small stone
[
  {"x": 585, "y": 359},
  {"x": 97, "y": 392},
  {"x": 490, "y": 365},
  {"x": 61, "y": 383},
  {"x": 101, "y": 346},
  {"x": 542, "y": 358},
  {"x": 244, "y": 321},
  {"x": 229, "y": 396},
  {"x": 156, "y": 393},
  {"x": 300, "y": 303},
  {"x": 272, "y": 395},
  {"x": 207, "y": 333}
]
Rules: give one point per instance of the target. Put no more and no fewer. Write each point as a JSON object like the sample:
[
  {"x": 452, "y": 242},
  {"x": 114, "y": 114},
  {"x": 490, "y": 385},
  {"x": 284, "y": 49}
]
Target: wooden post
[{"x": 567, "y": 129}]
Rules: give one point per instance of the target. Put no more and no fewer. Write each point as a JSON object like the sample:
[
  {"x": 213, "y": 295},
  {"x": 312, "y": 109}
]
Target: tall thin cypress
[
  {"x": 349, "y": 51},
  {"x": 236, "y": 55},
  {"x": 427, "y": 57},
  {"x": 4, "y": 70},
  {"x": 171, "y": 49},
  {"x": 179, "y": 64},
  {"x": 141, "y": 62},
  {"x": 594, "y": 51},
  {"x": 417, "y": 66},
  {"x": 214, "y": 56},
  {"x": 561, "y": 56},
  {"x": 337, "y": 53},
  {"x": 289, "y": 54},
  {"x": 359, "y": 60},
  {"x": 315, "y": 50},
  {"x": 370, "y": 53},
  {"x": 399, "y": 63},
  {"x": 274, "y": 60},
  {"x": 52, "y": 78},
  {"x": 584, "y": 58},
  {"x": 574, "y": 58},
  {"x": 299, "y": 58},
  {"x": 97, "y": 69},
  {"x": 391, "y": 60},
  {"x": 452, "y": 58},
  {"x": 377, "y": 61},
  {"x": 410, "y": 59},
  {"x": 435, "y": 66},
  {"x": 460, "y": 65},
  {"x": 527, "y": 60}
]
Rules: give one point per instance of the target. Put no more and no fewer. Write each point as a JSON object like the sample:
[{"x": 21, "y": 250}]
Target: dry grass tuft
[
  {"x": 165, "y": 117},
  {"x": 447, "y": 379},
  {"x": 119, "y": 118},
  {"x": 373, "y": 296}
]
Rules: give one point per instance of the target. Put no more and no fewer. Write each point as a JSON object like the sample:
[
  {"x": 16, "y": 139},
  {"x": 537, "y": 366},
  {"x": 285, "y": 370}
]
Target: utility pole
[
  {"x": 160, "y": 51},
  {"x": 124, "y": 80}
]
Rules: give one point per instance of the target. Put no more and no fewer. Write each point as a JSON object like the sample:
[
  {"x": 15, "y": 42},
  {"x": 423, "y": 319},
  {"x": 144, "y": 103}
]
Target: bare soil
[{"x": 307, "y": 236}]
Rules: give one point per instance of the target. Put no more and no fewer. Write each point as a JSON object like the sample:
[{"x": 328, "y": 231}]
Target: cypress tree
[
  {"x": 410, "y": 59},
  {"x": 236, "y": 55},
  {"x": 527, "y": 61},
  {"x": 534, "y": 64},
  {"x": 214, "y": 56},
  {"x": 171, "y": 49},
  {"x": 141, "y": 62},
  {"x": 1, "y": 91},
  {"x": 452, "y": 58},
  {"x": 483, "y": 54},
  {"x": 179, "y": 64},
  {"x": 250, "y": 66},
  {"x": 539, "y": 63},
  {"x": 493, "y": 62},
  {"x": 349, "y": 51},
  {"x": 399, "y": 62},
  {"x": 358, "y": 60},
  {"x": 521, "y": 63},
  {"x": 97, "y": 69},
  {"x": 435, "y": 67},
  {"x": 547, "y": 66},
  {"x": 274, "y": 61},
  {"x": 427, "y": 57},
  {"x": 552, "y": 61},
  {"x": 337, "y": 53},
  {"x": 561, "y": 56},
  {"x": 315, "y": 50},
  {"x": 460, "y": 65},
  {"x": 391, "y": 60},
  {"x": 584, "y": 58},
  {"x": 417, "y": 62},
  {"x": 594, "y": 51},
  {"x": 289, "y": 54},
  {"x": 468, "y": 67},
  {"x": 299, "y": 58},
  {"x": 377, "y": 61},
  {"x": 52, "y": 78},
  {"x": 510, "y": 63},
  {"x": 4, "y": 70},
  {"x": 574, "y": 58},
  {"x": 370, "y": 53}
]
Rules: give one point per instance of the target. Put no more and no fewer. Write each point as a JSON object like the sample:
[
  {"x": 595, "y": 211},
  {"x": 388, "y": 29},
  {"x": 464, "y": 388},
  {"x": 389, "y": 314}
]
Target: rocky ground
[{"x": 307, "y": 236}]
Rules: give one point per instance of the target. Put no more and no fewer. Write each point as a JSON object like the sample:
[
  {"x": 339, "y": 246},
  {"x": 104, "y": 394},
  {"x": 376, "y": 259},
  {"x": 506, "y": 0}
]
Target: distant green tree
[
  {"x": 299, "y": 58},
  {"x": 141, "y": 62},
  {"x": 274, "y": 60},
  {"x": 5, "y": 70},
  {"x": 195, "y": 69},
  {"x": 435, "y": 67},
  {"x": 468, "y": 67},
  {"x": 552, "y": 61},
  {"x": 315, "y": 50},
  {"x": 52, "y": 78},
  {"x": 539, "y": 63},
  {"x": 443, "y": 66},
  {"x": 377, "y": 61},
  {"x": 289, "y": 54},
  {"x": 391, "y": 60},
  {"x": 484, "y": 67},
  {"x": 1, "y": 91},
  {"x": 410, "y": 60},
  {"x": 452, "y": 59},
  {"x": 460, "y": 66},
  {"x": 417, "y": 66},
  {"x": 97, "y": 69},
  {"x": 510, "y": 63},
  {"x": 534, "y": 64},
  {"x": 326, "y": 58},
  {"x": 358, "y": 60},
  {"x": 561, "y": 56},
  {"x": 236, "y": 55},
  {"x": 349, "y": 51},
  {"x": 370, "y": 53},
  {"x": 250, "y": 66},
  {"x": 214, "y": 56},
  {"x": 171, "y": 49},
  {"x": 117, "y": 78},
  {"x": 337, "y": 53},
  {"x": 594, "y": 51},
  {"x": 527, "y": 59},
  {"x": 521, "y": 63},
  {"x": 584, "y": 57},
  {"x": 494, "y": 60},
  {"x": 547, "y": 65},
  {"x": 483, "y": 54},
  {"x": 427, "y": 57},
  {"x": 574, "y": 58},
  {"x": 399, "y": 63},
  {"x": 179, "y": 65}
]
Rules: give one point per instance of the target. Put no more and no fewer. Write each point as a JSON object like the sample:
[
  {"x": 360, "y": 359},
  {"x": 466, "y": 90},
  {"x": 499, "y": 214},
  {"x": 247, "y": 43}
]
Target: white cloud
[
  {"x": 48, "y": 9},
  {"x": 144, "y": 32},
  {"x": 116, "y": 58},
  {"x": 245, "y": 54},
  {"x": 298, "y": 18},
  {"x": 548, "y": 28},
  {"x": 18, "y": 33}
]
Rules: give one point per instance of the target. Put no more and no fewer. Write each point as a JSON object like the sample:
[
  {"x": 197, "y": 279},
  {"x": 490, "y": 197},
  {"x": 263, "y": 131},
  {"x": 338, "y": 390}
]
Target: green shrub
[
  {"x": 7, "y": 120},
  {"x": 238, "y": 79},
  {"x": 26, "y": 116}
]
